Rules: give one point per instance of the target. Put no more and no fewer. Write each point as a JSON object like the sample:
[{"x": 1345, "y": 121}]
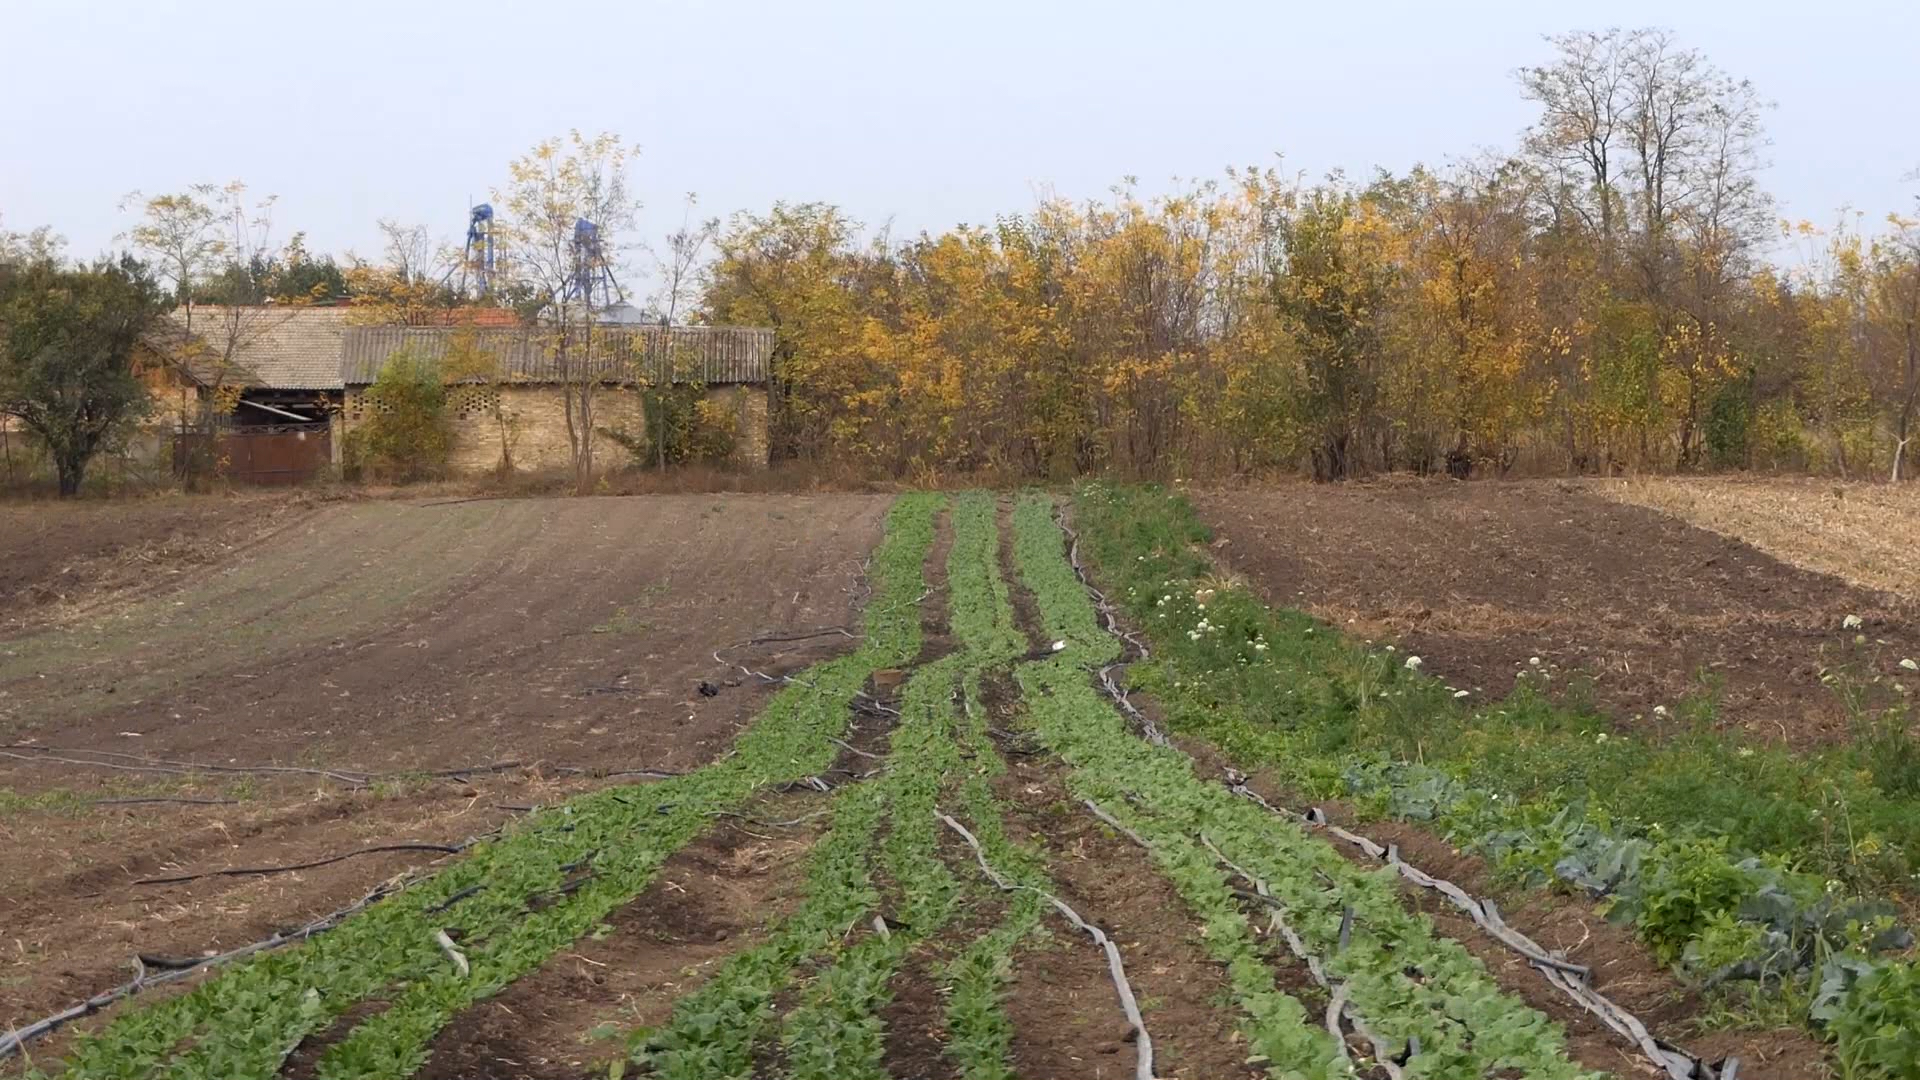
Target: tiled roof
[{"x": 275, "y": 348}]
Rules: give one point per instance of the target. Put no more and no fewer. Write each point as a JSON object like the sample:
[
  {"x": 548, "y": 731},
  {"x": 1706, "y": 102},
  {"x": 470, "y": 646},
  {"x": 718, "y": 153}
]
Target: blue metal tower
[
  {"x": 478, "y": 259},
  {"x": 592, "y": 282}
]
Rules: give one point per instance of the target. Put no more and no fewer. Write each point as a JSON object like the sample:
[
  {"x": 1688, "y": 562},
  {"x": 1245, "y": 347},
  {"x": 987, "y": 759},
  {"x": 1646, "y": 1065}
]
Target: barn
[
  {"x": 508, "y": 386},
  {"x": 291, "y": 382}
]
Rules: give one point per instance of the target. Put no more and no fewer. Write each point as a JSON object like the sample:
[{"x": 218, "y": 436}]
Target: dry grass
[{"x": 1863, "y": 533}]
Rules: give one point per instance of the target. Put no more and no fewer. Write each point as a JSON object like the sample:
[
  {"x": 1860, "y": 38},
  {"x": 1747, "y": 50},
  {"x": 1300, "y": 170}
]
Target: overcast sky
[{"x": 925, "y": 114}]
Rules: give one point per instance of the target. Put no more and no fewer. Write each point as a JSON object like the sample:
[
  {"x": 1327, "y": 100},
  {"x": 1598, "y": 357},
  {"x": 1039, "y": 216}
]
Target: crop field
[{"x": 1089, "y": 784}]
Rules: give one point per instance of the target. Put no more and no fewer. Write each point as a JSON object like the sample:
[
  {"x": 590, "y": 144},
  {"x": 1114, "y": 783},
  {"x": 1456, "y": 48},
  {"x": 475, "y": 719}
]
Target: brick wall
[{"x": 537, "y": 425}]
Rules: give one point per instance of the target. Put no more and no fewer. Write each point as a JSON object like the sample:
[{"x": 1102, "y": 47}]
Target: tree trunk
[
  {"x": 72, "y": 468},
  {"x": 1907, "y": 403}
]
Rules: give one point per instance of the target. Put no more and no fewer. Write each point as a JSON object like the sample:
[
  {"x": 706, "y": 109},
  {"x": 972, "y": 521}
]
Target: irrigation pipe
[
  {"x": 1338, "y": 1005},
  {"x": 138, "y": 763},
  {"x": 1104, "y": 606},
  {"x": 161, "y": 765},
  {"x": 248, "y": 871},
  {"x": 1571, "y": 979},
  {"x": 1142, "y": 1042},
  {"x": 13, "y": 1041}
]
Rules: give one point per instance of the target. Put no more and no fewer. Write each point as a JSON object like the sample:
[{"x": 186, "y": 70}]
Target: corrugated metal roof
[
  {"x": 276, "y": 348},
  {"x": 709, "y": 354}
]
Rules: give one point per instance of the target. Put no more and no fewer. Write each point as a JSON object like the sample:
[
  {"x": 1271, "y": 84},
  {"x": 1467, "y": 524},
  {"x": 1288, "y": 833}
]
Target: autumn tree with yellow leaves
[{"x": 1601, "y": 300}]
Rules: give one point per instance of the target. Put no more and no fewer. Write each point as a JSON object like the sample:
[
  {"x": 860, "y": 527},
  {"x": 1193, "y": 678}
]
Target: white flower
[
  {"x": 1851, "y": 622},
  {"x": 1746, "y": 751},
  {"x": 1193, "y": 635},
  {"x": 1533, "y": 661},
  {"x": 1413, "y": 663},
  {"x": 1600, "y": 738},
  {"x": 1059, "y": 645},
  {"x": 1660, "y": 711},
  {"x": 1390, "y": 648},
  {"x": 1259, "y": 646},
  {"x": 1910, "y": 665},
  {"x": 1459, "y": 694}
]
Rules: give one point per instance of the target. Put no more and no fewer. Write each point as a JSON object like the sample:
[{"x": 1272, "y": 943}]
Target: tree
[
  {"x": 797, "y": 269},
  {"x": 665, "y": 381},
  {"x": 1895, "y": 306},
  {"x": 194, "y": 235},
  {"x": 1333, "y": 288},
  {"x": 66, "y": 355},
  {"x": 551, "y": 190},
  {"x": 211, "y": 242},
  {"x": 39, "y": 244},
  {"x": 1584, "y": 98},
  {"x": 181, "y": 232},
  {"x": 412, "y": 255}
]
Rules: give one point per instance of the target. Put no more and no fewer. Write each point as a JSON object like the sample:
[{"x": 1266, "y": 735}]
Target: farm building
[
  {"x": 509, "y": 399},
  {"x": 297, "y": 381}
]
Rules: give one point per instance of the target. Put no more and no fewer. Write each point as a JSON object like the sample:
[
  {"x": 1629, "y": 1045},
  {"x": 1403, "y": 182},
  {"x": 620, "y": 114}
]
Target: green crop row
[
  {"x": 509, "y": 903},
  {"x": 980, "y": 1035},
  {"x": 1698, "y": 840},
  {"x": 1405, "y": 982},
  {"x": 834, "y": 1028}
]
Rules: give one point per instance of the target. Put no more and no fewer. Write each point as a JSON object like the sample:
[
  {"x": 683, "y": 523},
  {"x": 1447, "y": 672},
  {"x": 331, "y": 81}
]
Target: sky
[{"x": 911, "y": 115}]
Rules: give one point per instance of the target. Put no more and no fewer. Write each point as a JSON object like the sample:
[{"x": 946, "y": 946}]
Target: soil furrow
[{"x": 712, "y": 899}]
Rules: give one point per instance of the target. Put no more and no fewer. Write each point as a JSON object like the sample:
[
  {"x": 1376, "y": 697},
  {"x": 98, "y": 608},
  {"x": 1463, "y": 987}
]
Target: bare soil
[
  {"x": 714, "y": 898},
  {"x": 1479, "y": 578},
  {"x": 59, "y": 556},
  {"x": 1066, "y": 1017},
  {"x": 381, "y": 637}
]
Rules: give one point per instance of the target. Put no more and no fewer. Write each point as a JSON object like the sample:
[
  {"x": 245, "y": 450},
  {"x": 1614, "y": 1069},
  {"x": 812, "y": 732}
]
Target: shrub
[
  {"x": 407, "y": 432},
  {"x": 683, "y": 425},
  {"x": 1730, "y": 424}
]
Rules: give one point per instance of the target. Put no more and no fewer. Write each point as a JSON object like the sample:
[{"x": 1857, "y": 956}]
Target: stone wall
[
  {"x": 536, "y": 425},
  {"x": 750, "y": 404}
]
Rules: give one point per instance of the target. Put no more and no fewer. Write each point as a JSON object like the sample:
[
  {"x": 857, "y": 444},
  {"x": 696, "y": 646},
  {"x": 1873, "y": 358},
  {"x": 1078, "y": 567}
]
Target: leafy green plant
[
  {"x": 530, "y": 901},
  {"x": 1402, "y": 979},
  {"x": 1687, "y": 885},
  {"x": 1874, "y": 1026},
  {"x": 833, "y": 1029},
  {"x": 1702, "y": 840},
  {"x": 407, "y": 432}
]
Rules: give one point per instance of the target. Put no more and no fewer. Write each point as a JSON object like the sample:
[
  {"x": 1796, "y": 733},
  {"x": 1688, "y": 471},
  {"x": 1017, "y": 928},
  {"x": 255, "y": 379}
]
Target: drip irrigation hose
[
  {"x": 1571, "y": 979},
  {"x": 1142, "y": 1042}
]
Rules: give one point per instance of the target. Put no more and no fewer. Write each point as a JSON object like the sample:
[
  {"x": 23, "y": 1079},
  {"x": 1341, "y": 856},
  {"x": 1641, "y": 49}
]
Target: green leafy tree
[{"x": 67, "y": 340}]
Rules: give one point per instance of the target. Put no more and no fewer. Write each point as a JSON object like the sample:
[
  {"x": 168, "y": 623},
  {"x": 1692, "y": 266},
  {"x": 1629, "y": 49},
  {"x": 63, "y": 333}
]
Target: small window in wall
[{"x": 470, "y": 401}]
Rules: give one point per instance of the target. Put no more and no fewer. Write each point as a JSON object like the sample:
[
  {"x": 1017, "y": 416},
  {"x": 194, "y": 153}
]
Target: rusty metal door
[{"x": 266, "y": 454}]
